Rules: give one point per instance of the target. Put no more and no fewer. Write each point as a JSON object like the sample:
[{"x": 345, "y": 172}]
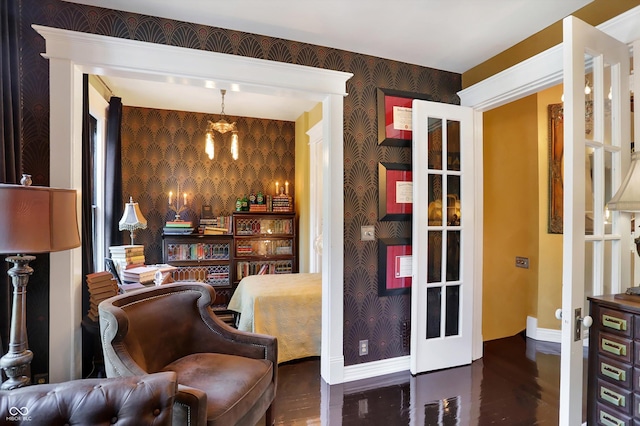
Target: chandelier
[{"x": 221, "y": 126}]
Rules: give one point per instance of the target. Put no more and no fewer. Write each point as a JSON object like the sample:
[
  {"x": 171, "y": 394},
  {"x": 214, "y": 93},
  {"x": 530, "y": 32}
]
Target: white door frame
[
  {"x": 315, "y": 196},
  {"x": 71, "y": 54},
  {"x": 526, "y": 78}
]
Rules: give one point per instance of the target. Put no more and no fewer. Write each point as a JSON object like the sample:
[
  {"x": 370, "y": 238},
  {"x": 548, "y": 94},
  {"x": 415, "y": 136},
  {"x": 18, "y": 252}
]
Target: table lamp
[
  {"x": 627, "y": 199},
  {"x": 32, "y": 220},
  {"x": 132, "y": 218}
]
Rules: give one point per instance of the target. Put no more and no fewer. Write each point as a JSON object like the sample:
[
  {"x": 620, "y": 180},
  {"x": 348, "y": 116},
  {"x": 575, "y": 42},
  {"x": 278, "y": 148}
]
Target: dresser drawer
[
  {"x": 606, "y": 416},
  {"x": 619, "y": 323},
  {"x": 615, "y": 397},
  {"x": 619, "y": 373},
  {"x": 615, "y": 347}
]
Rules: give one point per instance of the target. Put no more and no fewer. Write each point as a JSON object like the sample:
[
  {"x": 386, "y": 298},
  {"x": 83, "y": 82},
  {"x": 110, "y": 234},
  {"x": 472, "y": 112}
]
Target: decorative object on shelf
[
  {"x": 132, "y": 218},
  {"x": 222, "y": 126},
  {"x": 395, "y": 191},
  {"x": 32, "y": 220},
  {"x": 394, "y": 266},
  {"x": 394, "y": 116},
  {"x": 178, "y": 208},
  {"x": 627, "y": 199}
]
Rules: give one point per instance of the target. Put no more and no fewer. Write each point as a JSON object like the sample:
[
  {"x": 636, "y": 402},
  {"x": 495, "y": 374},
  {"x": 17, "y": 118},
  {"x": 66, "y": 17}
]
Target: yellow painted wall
[
  {"x": 510, "y": 217},
  {"x": 301, "y": 197},
  {"x": 594, "y": 13},
  {"x": 550, "y": 245}
]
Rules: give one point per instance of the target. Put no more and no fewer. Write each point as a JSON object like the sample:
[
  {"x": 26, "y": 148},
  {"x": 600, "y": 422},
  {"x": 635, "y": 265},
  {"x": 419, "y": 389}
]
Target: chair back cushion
[
  {"x": 144, "y": 330},
  {"x": 133, "y": 401}
]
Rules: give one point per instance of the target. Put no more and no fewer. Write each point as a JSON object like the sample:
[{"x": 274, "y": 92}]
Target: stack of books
[
  {"x": 101, "y": 285},
  {"x": 215, "y": 225},
  {"x": 177, "y": 227},
  {"x": 139, "y": 274},
  {"x": 282, "y": 203},
  {"x": 126, "y": 257}
]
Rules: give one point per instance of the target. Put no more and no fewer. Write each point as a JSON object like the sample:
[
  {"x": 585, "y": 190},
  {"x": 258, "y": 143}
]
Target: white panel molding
[
  {"x": 376, "y": 368},
  {"x": 541, "y": 71},
  {"x": 72, "y": 53}
]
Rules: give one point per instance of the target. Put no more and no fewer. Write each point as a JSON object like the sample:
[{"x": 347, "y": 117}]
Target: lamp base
[{"x": 16, "y": 362}]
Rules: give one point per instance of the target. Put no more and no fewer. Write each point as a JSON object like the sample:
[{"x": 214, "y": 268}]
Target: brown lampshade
[{"x": 37, "y": 219}]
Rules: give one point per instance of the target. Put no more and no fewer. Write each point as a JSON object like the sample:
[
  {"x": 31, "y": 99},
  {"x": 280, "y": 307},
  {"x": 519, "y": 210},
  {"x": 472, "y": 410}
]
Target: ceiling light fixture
[{"x": 222, "y": 126}]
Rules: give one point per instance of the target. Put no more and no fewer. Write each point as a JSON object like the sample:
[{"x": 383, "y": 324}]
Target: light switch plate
[{"x": 367, "y": 233}]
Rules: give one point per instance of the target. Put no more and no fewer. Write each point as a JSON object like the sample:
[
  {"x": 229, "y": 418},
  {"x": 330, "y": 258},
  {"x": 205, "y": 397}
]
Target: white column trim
[{"x": 101, "y": 55}]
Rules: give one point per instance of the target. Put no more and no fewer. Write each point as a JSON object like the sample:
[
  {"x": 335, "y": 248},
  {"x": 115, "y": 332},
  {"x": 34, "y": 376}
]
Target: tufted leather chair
[
  {"x": 225, "y": 376},
  {"x": 125, "y": 401}
]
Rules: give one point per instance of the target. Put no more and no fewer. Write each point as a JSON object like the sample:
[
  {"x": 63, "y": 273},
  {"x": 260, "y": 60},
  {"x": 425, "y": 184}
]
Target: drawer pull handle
[
  {"x": 612, "y": 397},
  {"x": 613, "y": 347},
  {"x": 608, "y": 420},
  {"x": 614, "y": 323},
  {"x": 612, "y": 372}
]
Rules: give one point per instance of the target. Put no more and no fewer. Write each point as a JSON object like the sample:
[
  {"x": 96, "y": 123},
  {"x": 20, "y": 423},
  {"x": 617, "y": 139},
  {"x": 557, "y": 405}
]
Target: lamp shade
[
  {"x": 132, "y": 217},
  {"x": 36, "y": 219},
  {"x": 627, "y": 199}
]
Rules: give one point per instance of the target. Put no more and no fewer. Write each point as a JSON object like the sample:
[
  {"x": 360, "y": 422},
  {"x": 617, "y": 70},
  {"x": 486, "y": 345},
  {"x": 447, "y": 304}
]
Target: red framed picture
[
  {"x": 395, "y": 191},
  {"x": 395, "y": 264},
  {"x": 394, "y": 116}
]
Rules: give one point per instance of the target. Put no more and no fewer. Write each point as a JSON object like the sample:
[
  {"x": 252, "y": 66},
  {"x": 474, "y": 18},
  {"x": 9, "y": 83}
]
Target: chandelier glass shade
[{"x": 221, "y": 126}]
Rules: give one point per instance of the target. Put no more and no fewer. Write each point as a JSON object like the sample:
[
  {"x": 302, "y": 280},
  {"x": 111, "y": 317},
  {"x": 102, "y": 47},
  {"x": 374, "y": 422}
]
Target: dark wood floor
[{"x": 515, "y": 383}]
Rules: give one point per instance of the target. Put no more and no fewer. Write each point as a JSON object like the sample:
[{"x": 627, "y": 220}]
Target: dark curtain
[
  {"x": 113, "y": 175},
  {"x": 89, "y": 329},
  {"x": 10, "y": 130}
]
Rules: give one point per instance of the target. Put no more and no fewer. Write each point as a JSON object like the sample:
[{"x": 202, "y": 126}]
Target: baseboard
[
  {"x": 542, "y": 334},
  {"x": 376, "y": 368}
]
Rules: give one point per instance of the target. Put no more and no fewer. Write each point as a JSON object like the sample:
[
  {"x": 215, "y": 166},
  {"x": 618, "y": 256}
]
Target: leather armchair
[
  {"x": 126, "y": 401},
  {"x": 225, "y": 376}
]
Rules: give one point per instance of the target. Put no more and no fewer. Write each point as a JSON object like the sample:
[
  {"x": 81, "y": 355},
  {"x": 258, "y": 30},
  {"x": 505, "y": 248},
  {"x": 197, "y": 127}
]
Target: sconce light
[{"x": 221, "y": 126}]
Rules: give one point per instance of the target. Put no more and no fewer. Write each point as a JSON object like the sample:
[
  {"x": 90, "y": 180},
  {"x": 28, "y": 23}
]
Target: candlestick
[
  {"x": 177, "y": 207},
  {"x": 277, "y": 188},
  {"x": 286, "y": 187}
]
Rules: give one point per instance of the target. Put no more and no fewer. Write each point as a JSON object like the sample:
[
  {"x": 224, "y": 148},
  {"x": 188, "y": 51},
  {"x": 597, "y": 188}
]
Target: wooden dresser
[{"x": 613, "y": 397}]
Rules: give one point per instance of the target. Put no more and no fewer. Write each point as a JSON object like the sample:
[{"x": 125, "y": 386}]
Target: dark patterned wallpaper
[
  {"x": 162, "y": 148},
  {"x": 366, "y": 315}
]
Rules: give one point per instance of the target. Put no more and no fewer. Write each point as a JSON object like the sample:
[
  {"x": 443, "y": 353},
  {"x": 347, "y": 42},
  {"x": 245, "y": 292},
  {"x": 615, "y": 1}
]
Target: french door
[
  {"x": 596, "y": 152},
  {"x": 442, "y": 243}
]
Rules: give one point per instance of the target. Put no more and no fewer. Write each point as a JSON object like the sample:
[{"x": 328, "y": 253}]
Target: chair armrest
[
  {"x": 236, "y": 342},
  {"x": 190, "y": 407}
]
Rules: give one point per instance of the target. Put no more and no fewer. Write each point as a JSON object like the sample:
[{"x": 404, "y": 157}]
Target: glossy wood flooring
[{"x": 515, "y": 383}]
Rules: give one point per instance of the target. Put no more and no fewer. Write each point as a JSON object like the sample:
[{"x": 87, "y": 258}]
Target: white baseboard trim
[
  {"x": 376, "y": 368},
  {"x": 542, "y": 334}
]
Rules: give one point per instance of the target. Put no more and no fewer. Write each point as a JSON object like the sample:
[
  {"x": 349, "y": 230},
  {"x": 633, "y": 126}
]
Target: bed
[{"x": 287, "y": 306}]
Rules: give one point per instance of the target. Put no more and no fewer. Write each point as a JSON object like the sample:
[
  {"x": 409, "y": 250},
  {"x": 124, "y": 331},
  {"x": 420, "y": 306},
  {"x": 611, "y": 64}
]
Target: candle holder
[{"x": 178, "y": 207}]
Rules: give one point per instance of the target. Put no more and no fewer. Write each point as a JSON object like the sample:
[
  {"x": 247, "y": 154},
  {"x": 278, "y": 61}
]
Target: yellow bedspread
[{"x": 287, "y": 306}]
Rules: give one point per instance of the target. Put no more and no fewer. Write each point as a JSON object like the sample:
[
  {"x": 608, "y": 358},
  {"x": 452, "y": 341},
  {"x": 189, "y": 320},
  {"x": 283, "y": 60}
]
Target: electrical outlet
[
  {"x": 406, "y": 334},
  {"x": 522, "y": 262},
  {"x": 364, "y": 347}
]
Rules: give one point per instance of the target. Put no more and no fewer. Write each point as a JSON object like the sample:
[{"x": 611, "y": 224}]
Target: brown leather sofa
[
  {"x": 225, "y": 376},
  {"x": 126, "y": 401}
]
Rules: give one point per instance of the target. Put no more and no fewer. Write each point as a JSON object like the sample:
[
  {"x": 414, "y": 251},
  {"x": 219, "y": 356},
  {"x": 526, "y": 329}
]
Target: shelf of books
[
  {"x": 204, "y": 258},
  {"x": 264, "y": 243}
]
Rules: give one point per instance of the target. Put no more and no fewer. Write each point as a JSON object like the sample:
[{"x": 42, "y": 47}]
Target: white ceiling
[{"x": 451, "y": 35}]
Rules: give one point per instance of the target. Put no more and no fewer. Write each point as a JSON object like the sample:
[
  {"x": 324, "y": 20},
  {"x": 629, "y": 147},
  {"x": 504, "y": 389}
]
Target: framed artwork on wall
[
  {"x": 394, "y": 266},
  {"x": 395, "y": 191},
  {"x": 556, "y": 150},
  {"x": 394, "y": 116}
]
